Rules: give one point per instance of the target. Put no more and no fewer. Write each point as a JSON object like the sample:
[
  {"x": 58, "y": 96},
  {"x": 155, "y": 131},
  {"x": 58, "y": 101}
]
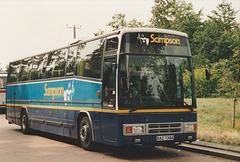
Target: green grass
[{"x": 215, "y": 121}]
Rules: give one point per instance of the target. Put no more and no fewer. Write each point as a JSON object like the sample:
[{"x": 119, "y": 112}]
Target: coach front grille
[{"x": 163, "y": 128}]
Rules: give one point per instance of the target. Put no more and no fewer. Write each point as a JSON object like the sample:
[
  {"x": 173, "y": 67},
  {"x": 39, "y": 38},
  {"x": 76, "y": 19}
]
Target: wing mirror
[{"x": 208, "y": 74}]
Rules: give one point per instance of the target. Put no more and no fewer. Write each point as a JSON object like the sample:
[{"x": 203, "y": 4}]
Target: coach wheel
[
  {"x": 85, "y": 134},
  {"x": 24, "y": 123}
]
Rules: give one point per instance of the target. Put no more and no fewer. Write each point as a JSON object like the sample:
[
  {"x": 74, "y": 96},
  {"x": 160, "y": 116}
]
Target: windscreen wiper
[
  {"x": 185, "y": 103},
  {"x": 188, "y": 105},
  {"x": 143, "y": 106},
  {"x": 133, "y": 109}
]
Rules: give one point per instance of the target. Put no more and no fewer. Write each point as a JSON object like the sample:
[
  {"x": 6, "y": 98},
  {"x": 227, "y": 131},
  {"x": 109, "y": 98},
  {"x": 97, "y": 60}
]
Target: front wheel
[
  {"x": 85, "y": 134},
  {"x": 24, "y": 123}
]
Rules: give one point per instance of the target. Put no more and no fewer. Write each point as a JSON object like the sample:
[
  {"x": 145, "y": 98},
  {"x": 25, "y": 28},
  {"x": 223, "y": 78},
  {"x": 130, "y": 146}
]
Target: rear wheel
[
  {"x": 24, "y": 123},
  {"x": 85, "y": 134}
]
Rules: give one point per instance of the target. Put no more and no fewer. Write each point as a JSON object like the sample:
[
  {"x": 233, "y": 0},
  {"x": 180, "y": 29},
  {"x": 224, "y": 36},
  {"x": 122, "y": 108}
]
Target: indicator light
[
  {"x": 195, "y": 127},
  {"x": 98, "y": 94},
  {"x": 128, "y": 129}
]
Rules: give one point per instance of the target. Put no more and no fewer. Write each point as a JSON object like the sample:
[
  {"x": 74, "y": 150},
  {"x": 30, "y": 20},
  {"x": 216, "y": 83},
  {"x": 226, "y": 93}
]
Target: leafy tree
[
  {"x": 7, "y": 67},
  {"x": 163, "y": 11},
  {"x": 217, "y": 45},
  {"x": 236, "y": 55},
  {"x": 119, "y": 22},
  {"x": 226, "y": 80},
  {"x": 225, "y": 14},
  {"x": 99, "y": 32},
  {"x": 134, "y": 23},
  {"x": 217, "y": 38},
  {"x": 229, "y": 69},
  {"x": 177, "y": 15},
  {"x": 204, "y": 88}
]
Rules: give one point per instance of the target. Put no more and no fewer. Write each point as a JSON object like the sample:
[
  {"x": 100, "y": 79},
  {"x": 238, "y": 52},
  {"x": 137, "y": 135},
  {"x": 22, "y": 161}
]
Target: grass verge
[{"x": 215, "y": 121}]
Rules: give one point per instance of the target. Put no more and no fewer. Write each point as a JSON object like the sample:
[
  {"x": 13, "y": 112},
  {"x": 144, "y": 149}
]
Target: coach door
[
  {"x": 109, "y": 83},
  {"x": 10, "y": 106},
  {"x": 108, "y": 119},
  {"x": 13, "y": 77}
]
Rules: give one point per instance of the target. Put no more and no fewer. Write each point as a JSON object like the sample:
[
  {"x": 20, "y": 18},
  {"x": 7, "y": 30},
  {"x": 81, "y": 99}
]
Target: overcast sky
[{"x": 29, "y": 27}]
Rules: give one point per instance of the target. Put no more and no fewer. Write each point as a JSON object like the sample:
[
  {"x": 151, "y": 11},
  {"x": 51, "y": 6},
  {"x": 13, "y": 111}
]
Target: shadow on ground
[{"x": 136, "y": 152}]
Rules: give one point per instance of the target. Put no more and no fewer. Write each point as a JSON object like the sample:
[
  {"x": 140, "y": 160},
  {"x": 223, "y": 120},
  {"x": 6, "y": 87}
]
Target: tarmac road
[{"x": 38, "y": 147}]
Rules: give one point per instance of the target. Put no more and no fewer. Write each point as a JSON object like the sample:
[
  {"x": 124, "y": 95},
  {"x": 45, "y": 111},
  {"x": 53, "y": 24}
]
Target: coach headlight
[
  {"x": 133, "y": 129},
  {"x": 190, "y": 127}
]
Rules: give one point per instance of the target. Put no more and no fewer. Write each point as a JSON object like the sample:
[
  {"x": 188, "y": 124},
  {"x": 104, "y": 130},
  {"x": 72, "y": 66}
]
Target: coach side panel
[{"x": 53, "y": 106}]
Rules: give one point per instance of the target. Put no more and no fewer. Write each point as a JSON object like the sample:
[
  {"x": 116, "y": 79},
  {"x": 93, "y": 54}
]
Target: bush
[{"x": 204, "y": 88}]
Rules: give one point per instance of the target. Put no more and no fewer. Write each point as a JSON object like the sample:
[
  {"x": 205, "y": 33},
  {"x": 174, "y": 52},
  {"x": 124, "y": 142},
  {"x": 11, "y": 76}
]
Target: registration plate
[{"x": 165, "y": 138}]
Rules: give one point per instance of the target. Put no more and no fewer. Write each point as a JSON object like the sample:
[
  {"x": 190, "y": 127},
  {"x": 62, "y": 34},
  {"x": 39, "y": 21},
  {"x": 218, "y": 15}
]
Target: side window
[
  {"x": 71, "y": 61},
  {"x": 60, "y": 63},
  {"x": 89, "y": 59},
  {"x": 13, "y": 71},
  {"x": 56, "y": 63},
  {"x": 112, "y": 44},
  {"x": 39, "y": 67},
  {"x": 25, "y": 70},
  {"x": 79, "y": 62},
  {"x": 3, "y": 82}
]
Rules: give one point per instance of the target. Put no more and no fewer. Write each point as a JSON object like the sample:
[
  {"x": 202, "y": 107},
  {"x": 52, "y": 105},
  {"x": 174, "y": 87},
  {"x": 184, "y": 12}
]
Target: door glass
[{"x": 109, "y": 83}]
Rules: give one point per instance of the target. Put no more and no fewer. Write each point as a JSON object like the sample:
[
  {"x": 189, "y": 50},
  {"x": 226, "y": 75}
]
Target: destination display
[{"x": 155, "y": 43}]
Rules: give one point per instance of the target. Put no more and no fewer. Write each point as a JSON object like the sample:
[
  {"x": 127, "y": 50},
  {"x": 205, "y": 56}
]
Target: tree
[
  {"x": 217, "y": 38},
  {"x": 7, "y": 67},
  {"x": 176, "y": 15},
  {"x": 225, "y": 14},
  {"x": 229, "y": 69},
  {"x": 99, "y": 32},
  {"x": 163, "y": 13},
  {"x": 119, "y": 22},
  {"x": 134, "y": 23}
]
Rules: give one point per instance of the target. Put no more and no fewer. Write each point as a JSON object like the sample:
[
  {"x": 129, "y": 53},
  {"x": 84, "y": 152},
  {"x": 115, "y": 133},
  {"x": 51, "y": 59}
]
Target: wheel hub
[
  {"x": 24, "y": 124},
  {"x": 84, "y": 133}
]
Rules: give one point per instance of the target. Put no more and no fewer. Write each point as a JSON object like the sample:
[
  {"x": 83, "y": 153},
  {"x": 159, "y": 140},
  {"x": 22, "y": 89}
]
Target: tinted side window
[
  {"x": 56, "y": 63},
  {"x": 13, "y": 71},
  {"x": 71, "y": 61},
  {"x": 39, "y": 67},
  {"x": 89, "y": 59},
  {"x": 25, "y": 70}
]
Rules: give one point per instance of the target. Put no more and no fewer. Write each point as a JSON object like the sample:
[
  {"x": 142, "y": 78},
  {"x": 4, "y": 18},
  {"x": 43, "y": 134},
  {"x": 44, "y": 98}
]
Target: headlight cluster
[
  {"x": 190, "y": 127},
  {"x": 140, "y": 129},
  {"x": 133, "y": 129}
]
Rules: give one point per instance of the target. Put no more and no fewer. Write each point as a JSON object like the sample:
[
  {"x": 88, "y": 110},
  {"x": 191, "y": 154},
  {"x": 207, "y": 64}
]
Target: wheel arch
[
  {"x": 24, "y": 108},
  {"x": 82, "y": 114}
]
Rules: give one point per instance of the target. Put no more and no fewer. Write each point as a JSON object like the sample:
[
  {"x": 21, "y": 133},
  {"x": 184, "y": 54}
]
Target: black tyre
[
  {"x": 24, "y": 123},
  {"x": 85, "y": 134}
]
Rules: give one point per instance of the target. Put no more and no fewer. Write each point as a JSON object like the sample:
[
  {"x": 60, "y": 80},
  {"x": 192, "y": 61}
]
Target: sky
[{"x": 30, "y": 27}]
